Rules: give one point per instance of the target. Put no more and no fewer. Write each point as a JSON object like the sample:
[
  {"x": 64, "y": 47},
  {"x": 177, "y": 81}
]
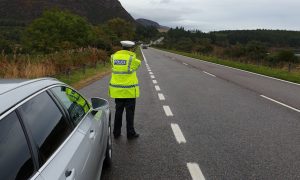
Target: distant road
[{"x": 205, "y": 121}]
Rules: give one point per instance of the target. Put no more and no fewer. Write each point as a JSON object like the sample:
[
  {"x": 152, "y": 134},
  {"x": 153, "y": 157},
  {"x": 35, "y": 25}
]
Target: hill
[
  {"x": 148, "y": 23},
  {"x": 22, "y": 12}
]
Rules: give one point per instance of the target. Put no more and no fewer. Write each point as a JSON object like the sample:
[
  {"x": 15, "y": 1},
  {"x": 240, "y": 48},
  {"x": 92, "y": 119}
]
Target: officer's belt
[{"x": 122, "y": 86}]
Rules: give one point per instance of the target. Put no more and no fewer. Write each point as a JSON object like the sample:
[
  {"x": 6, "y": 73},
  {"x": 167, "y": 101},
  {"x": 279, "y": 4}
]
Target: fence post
[
  {"x": 68, "y": 72},
  {"x": 84, "y": 68},
  {"x": 290, "y": 67},
  {"x": 95, "y": 65}
]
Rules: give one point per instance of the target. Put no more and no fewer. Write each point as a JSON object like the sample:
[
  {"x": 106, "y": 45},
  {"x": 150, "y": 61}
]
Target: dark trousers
[{"x": 129, "y": 105}]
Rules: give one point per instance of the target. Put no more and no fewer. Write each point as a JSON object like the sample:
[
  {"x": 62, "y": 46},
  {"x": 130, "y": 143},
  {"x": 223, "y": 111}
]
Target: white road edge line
[
  {"x": 209, "y": 74},
  {"x": 157, "y": 88},
  {"x": 237, "y": 69},
  {"x": 295, "y": 109},
  {"x": 161, "y": 97},
  {"x": 152, "y": 76},
  {"x": 143, "y": 55},
  {"x": 168, "y": 111},
  {"x": 154, "y": 81},
  {"x": 195, "y": 171},
  {"x": 178, "y": 133},
  {"x": 185, "y": 64}
]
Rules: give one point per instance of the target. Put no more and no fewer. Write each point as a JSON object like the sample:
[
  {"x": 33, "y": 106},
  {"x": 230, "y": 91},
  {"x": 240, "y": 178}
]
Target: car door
[
  {"x": 98, "y": 145},
  {"x": 87, "y": 125},
  {"x": 56, "y": 141},
  {"x": 16, "y": 160}
]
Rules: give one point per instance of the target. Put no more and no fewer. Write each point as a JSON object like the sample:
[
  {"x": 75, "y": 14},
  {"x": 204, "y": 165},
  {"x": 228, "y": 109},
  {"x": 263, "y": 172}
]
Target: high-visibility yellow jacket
[
  {"x": 76, "y": 98},
  {"x": 124, "y": 82}
]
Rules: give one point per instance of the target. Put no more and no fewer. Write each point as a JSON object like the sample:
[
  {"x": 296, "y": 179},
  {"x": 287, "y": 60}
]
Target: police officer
[{"x": 124, "y": 87}]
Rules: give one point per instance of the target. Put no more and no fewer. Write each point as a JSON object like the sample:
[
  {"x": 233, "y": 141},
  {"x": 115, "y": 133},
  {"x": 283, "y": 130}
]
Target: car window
[
  {"x": 15, "y": 157},
  {"x": 46, "y": 124},
  {"x": 76, "y": 105}
]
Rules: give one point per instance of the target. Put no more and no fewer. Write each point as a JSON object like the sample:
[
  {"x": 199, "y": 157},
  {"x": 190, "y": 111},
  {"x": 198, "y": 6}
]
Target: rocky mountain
[
  {"x": 96, "y": 11},
  {"x": 147, "y": 23}
]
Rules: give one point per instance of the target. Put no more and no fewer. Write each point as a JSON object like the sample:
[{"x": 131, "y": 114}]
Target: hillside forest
[{"x": 59, "y": 41}]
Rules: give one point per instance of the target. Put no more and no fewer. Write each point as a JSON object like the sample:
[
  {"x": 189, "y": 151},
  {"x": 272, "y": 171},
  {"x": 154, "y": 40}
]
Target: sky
[{"x": 213, "y": 15}]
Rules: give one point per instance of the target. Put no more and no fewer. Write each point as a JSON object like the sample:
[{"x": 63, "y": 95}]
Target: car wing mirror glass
[{"x": 99, "y": 104}]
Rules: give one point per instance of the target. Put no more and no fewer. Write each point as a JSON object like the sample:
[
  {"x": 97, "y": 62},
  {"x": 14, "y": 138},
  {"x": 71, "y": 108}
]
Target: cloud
[
  {"x": 209, "y": 15},
  {"x": 165, "y": 1}
]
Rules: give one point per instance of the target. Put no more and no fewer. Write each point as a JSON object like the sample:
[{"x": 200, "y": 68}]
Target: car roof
[{"x": 12, "y": 91}]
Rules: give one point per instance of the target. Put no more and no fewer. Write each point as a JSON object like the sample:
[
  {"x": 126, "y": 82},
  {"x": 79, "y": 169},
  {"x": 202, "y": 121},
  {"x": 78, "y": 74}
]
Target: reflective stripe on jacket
[
  {"x": 124, "y": 82},
  {"x": 76, "y": 98}
]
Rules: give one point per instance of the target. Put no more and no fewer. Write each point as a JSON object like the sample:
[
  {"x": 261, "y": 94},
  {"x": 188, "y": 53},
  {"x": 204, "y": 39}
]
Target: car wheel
[{"x": 108, "y": 153}]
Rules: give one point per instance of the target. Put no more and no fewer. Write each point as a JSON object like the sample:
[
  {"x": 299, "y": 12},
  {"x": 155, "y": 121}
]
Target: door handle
[
  {"x": 92, "y": 134},
  {"x": 70, "y": 174}
]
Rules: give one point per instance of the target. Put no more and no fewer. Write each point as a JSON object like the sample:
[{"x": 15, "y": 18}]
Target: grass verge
[
  {"x": 139, "y": 53},
  {"x": 264, "y": 70},
  {"x": 78, "y": 79}
]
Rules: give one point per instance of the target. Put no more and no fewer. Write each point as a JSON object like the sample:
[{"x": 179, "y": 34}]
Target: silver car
[{"x": 49, "y": 131}]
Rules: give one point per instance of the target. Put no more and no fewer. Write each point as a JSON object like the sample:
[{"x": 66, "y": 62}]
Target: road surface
[{"x": 199, "y": 120}]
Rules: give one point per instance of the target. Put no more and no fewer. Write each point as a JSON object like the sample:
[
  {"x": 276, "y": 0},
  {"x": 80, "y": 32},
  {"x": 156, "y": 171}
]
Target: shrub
[{"x": 57, "y": 30}]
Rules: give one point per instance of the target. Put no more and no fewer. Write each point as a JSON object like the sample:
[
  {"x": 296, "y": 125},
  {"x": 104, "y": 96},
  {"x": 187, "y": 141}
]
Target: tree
[
  {"x": 146, "y": 33},
  {"x": 184, "y": 44},
  {"x": 101, "y": 38},
  {"x": 57, "y": 30},
  {"x": 119, "y": 29},
  {"x": 5, "y": 46},
  {"x": 256, "y": 50},
  {"x": 203, "y": 46},
  {"x": 286, "y": 56}
]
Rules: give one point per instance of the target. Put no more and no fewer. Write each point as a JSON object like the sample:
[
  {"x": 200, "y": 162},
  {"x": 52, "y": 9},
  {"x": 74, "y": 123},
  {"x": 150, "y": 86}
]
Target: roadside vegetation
[
  {"x": 139, "y": 53},
  {"x": 268, "y": 52},
  {"x": 293, "y": 76},
  {"x": 61, "y": 44},
  {"x": 82, "y": 77}
]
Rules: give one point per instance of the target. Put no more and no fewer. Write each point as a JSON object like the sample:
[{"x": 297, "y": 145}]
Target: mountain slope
[
  {"x": 147, "y": 23},
  {"x": 96, "y": 11}
]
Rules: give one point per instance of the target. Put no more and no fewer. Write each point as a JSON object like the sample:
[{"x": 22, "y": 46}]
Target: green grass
[
  {"x": 264, "y": 70},
  {"x": 78, "y": 78},
  {"x": 139, "y": 53}
]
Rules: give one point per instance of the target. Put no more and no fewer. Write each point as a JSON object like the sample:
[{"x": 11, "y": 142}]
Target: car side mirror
[{"x": 99, "y": 104}]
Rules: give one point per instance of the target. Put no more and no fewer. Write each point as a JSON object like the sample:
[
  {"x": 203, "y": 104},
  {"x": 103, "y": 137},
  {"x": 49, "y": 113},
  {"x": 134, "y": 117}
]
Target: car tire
[{"x": 108, "y": 153}]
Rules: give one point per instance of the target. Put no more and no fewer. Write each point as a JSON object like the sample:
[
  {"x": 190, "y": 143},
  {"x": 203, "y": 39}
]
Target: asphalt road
[{"x": 199, "y": 120}]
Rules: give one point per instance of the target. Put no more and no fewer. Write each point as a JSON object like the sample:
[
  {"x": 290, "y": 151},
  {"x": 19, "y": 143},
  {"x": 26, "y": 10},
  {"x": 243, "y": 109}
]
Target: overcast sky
[{"x": 210, "y": 15}]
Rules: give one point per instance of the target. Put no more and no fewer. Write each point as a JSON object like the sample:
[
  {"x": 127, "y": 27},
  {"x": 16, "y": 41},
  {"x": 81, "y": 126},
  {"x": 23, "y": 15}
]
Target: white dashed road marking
[
  {"x": 152, "y": 76},
  {"x": 161, "y": 97},
  {"x": 157, "y": 88},
  {"x": 154, "y": 81},
  {"x": 178, "y": 134},
  {"x": 209, "y": 74},
  {"x": 168, "y": 111},
  {"x": 185, "y": 64},
  {"x": 295, "y": 109},
  {"x": 195, "y": 171},
  {"x": 150, "y": 72}
]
